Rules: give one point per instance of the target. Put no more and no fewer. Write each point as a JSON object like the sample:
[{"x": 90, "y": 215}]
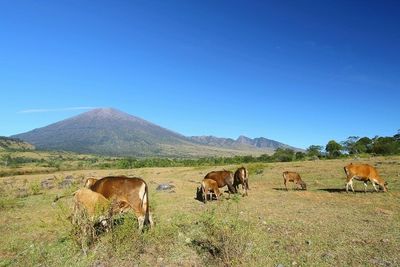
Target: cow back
[
  {"x": 117, "y": 186},
  {"x": 221, "y": 177}
]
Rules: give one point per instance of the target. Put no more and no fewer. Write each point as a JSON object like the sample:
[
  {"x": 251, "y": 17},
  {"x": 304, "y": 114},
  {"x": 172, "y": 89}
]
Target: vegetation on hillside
[{"x": 14, "y": 144}]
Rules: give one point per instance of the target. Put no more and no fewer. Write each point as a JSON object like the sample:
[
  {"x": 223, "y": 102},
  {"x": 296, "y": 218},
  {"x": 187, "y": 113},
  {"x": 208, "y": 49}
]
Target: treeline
[
  {"x": 351, "y": 147},
  {"x": 354, "y": 145}
]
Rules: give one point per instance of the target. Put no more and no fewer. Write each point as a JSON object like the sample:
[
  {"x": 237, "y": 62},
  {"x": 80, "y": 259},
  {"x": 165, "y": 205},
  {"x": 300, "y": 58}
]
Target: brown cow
[
  {"x": 209, "y": 186},
  {"x": 295, "y": 178},
  {"x": 222, "y": 178},
  {"x": 132, "y": 190},
  {"x": 241, "y": 176},
  {"x": 364, "y": 173}
]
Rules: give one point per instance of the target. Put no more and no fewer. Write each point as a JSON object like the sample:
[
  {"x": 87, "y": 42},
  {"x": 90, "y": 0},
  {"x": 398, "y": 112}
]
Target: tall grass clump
[{"x": 224, "y": 238}]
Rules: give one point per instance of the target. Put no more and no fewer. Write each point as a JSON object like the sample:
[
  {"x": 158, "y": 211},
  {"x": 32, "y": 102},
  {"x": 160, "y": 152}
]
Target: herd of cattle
[{"x": 118, "y": 194}]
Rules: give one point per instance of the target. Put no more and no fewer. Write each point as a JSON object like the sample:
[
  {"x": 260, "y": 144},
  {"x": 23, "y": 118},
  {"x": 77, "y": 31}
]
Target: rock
[
  {"x": 21, "y": 193},
  {"x": 65, "y": 184},
  {"x": 47, "y": 184},
  {"x": 163, "y": 187},
  {"x": 280, "y": 265},
  {"x": 385, "y": 240}
]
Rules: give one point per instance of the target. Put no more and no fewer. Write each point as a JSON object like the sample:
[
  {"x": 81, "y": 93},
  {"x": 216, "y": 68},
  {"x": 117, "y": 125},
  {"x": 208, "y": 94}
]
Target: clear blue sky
[{"x": 299, "y": 72}]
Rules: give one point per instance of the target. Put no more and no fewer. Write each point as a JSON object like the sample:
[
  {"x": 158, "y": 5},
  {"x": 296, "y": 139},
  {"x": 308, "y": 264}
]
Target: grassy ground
[{"x": 323, "y": 226}]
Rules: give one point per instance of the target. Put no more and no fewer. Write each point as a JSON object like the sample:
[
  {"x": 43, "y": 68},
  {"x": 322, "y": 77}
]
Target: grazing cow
[
  {"x": 93, "y": 212},
  {"x": 96, "y": 205},
  {"x": 208, "y": 185},
  {"x": 295, "y": 178},
  {"x": 222, "y": 178},
  {"x": 132, "y": 190},
  {"x": 364, "y": 173},
  {"x": 241, "y": 176}
]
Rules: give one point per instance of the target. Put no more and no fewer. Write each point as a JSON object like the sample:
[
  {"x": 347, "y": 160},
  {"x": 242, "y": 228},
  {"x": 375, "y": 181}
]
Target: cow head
[
  {"x": 199, "y": 194},
  {"x": 384, "y": 187},
  {"x": 90, "y": 181},
  {"x": 303, "y": 185}
]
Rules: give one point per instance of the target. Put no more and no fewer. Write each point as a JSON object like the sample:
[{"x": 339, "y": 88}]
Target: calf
[
  {"x": 92, "y": 212},
  {"x": 364, "y": 173},
  {"x": 222, "y": 178},
  {"x": 131, "y": 190},
  {"x": 241, "y": 176},
  {"x": 96, "y": 207},
  {"x": 209, "y": 186},
  {"x": 295, "y": 178}
]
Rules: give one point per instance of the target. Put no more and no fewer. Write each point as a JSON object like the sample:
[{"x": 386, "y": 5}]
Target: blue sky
[{"x": 299, "y": 72}]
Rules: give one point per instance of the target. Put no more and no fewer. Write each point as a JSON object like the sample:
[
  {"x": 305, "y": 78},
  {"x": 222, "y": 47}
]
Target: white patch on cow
[
  {"x": 142, "y": 192},
  {"x": 373, "y": 181}
]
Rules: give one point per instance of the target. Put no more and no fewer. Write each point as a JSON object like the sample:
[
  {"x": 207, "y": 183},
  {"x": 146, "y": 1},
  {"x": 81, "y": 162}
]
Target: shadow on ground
[
  {"x": 289, "y": 189},
  {"x": 342, "y": 190}
]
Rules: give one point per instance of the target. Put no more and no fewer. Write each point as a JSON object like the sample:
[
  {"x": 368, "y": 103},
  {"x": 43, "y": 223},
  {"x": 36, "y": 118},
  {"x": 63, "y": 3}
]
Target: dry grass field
[{"x": 323, "y": 226}]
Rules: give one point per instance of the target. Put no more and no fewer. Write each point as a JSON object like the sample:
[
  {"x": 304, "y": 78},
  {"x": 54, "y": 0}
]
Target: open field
[{"x": 323, "y": 226}]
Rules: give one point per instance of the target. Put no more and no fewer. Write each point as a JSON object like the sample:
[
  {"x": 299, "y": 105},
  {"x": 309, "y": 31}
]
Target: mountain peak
[
  {"x": 244, "y": 139},
  {"x": 110, "y": 131},
  {"x": 106, "y": 112}
]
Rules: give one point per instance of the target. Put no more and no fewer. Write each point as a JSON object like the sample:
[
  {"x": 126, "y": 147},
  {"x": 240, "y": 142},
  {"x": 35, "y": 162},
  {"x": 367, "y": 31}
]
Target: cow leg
[
  {"x": 365, "y": 187},
  {"x": 204, "y": 192},
  {"x": 349, "y": 183},
  {"x": 231, "y": 189},
  {"x": 284, "y": 181},
  {"x": 373, "y": 184},
  {"x": 141, "y": 219},
  {"x": 151, "y": 220}
]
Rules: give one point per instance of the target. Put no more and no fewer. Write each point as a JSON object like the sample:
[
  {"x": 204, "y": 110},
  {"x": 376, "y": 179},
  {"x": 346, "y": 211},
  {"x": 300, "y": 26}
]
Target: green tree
[
  {"x": 300, "y": 155},
  {"x": 283, "y": 154},
  {"x": 350, "y": 145},
  {"x": 314, "y": 151},
  {"x": 385, "y": 146},
  {"x": 333, "y": 149},
  {"x": 364, "y": 145}
]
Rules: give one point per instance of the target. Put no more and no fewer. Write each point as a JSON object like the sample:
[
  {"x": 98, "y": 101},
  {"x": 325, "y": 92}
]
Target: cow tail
[
  {"x": 346, "y": 171},
  {"x": 145, "y": 204},
  {"x": 203, "y": 190}
]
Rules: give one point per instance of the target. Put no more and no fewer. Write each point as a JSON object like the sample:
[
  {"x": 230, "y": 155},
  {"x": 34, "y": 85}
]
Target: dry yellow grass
[{"x": 323, "y": 226}]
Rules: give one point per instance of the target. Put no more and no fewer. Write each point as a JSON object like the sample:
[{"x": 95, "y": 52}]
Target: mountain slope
[
  {"x": 108, "y": 131},
  {"x": 14, "y": 144}
]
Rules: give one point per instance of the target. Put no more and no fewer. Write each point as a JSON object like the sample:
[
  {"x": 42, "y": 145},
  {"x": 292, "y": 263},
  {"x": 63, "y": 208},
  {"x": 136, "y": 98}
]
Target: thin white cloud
[{"x": 38, "y": 110}]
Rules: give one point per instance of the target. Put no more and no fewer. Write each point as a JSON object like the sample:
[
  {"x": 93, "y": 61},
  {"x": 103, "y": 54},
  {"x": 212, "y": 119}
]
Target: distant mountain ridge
[
  {"x": 108, "y": 131},
  {"x": 240, "y": 142}
]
